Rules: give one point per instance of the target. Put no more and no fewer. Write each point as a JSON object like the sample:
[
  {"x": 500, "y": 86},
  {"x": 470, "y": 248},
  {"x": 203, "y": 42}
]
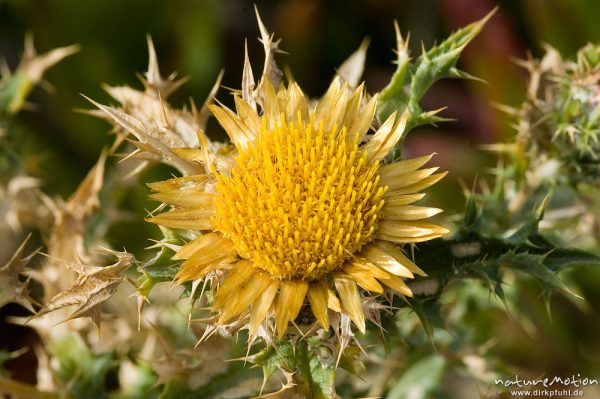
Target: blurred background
[{"x": 198, "y": 38}]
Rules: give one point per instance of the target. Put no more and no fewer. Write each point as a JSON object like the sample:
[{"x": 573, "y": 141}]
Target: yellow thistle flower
[{"x": 307, "y": 210}]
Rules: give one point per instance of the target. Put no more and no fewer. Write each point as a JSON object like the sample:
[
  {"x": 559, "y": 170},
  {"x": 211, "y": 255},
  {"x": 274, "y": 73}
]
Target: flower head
[{"x": 307, "y": 215}]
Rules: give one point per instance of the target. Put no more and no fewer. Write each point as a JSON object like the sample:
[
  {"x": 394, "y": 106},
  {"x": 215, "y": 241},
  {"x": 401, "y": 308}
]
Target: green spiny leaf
[
  {"x": 533, "y": 265},
  {"x": 530, "y": 226},
  {"x": 411, "y": 80},
  {"x": 312, "y": 374},
  {"x": 161, "y": 268},
  {"x": 394, "y": 97}
]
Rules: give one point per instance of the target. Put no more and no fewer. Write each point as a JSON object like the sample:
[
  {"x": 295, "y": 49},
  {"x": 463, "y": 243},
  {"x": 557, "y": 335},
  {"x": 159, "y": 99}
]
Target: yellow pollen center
[{"x": 300, "y": 201}]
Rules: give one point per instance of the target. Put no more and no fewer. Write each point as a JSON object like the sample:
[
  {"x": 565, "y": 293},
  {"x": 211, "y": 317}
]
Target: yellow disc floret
[{"x": 300, "y": 200}]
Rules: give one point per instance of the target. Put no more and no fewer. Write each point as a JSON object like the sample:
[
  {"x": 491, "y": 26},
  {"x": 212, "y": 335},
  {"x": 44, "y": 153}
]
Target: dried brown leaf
[
  {"x": 91, "y": 289},
  {"x": 155, "y": 141},
  {"x": 163, "y": 126},
  {"x": 173, "y": 127}
]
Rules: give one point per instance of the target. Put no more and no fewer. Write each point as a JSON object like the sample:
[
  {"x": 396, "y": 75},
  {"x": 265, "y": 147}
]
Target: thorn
[
  {"x": 464, "y": 75},
  {"x": 406, "y": 42},
  {"x": 547, "y": 296},
  {"x": 511, "y": 111},
  {"x": 163, "y": 107},
  {"x": 44, "y": 84},
  {"x": 204, "y": 112},
  {"x": 263, "y": 30},
  {"x": 153, "y": 73},
  {"x": 539, "y": 212},
  {"x": 402, "y": 45},
  {"x": 488, "y": 16},
  {"x": 29, "y": 48},
  {"x": 424, "y": 52}
]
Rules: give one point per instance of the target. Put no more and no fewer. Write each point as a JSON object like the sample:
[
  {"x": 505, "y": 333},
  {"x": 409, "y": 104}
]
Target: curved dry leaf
[
  {"x": 150, "y": 140},
  {"x": 172, "y": 127},
  {"x": 91, "y": 289}
]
